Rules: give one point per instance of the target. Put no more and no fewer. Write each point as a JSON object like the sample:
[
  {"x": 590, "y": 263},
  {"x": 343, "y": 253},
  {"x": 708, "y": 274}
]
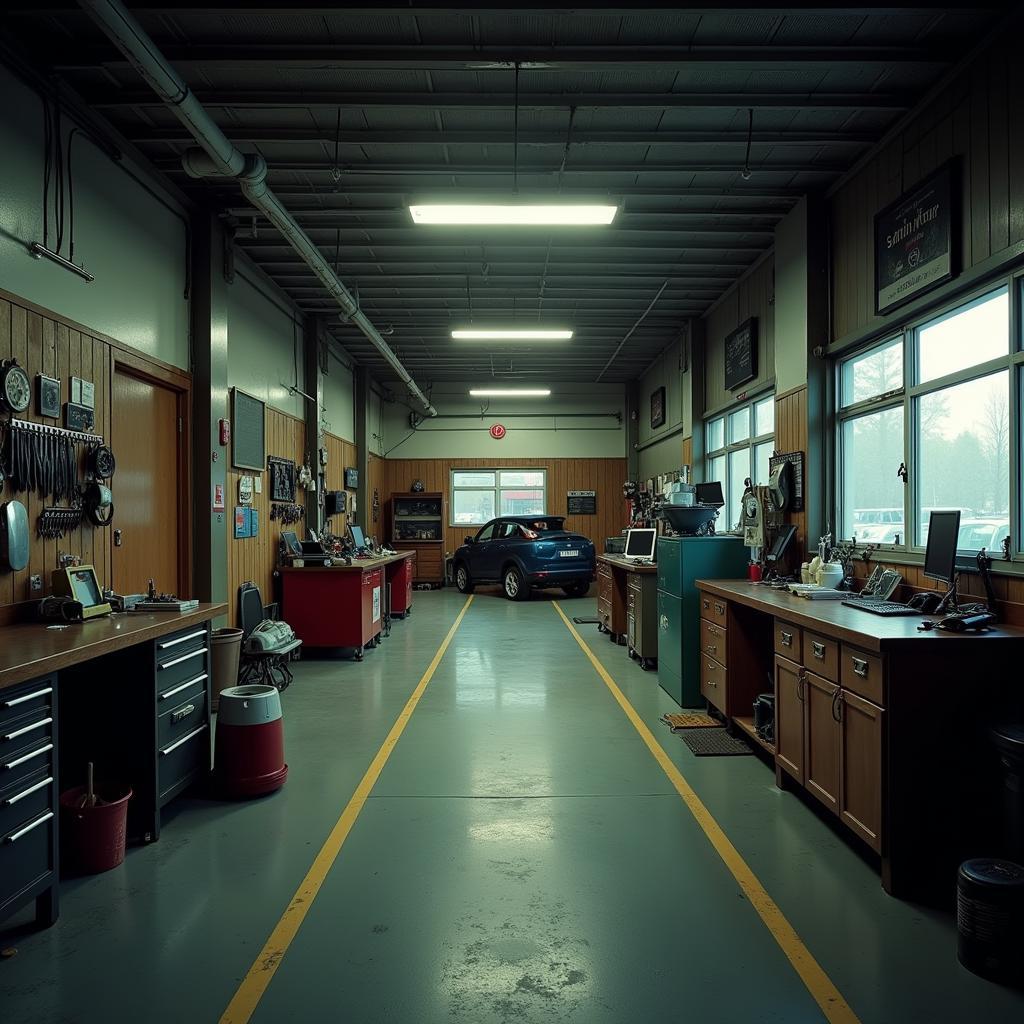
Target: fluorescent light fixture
[
  {"x": 541, "y": 214},
  {"x": 510, "y": 392},
  {"x": 510, "y": 334}
]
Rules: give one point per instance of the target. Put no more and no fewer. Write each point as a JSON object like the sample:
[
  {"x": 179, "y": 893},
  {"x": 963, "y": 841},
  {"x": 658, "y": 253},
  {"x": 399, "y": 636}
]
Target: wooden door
[
  {"x": 789, "y": 718},
  {"x": 860, "y": 752},
  {"x": 822, "y": 736},
  {"x": 146, "y": 440}
]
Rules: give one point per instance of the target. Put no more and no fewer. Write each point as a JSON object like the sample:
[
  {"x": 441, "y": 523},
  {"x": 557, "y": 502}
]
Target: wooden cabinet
[
  {"x": 417, "y": 524},
  {"x": 642, "y": 617},
  {"x": 789, "y": 718},
  {"x": 821, "y": 740},
  {"x": 860, "y": 758},
  {"x": 713, "y": 683},
  {"x": 611, "y": 602}
]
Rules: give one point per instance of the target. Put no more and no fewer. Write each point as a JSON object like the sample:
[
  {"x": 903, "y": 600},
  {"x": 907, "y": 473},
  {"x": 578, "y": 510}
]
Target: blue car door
[
  {"x": 480, "y": 553},
  {"x": 499, "y": 547}
]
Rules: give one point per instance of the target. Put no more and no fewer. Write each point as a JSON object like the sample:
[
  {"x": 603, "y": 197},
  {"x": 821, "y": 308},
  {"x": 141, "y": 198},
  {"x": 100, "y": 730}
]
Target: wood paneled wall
[
  {"x": 255, "y": 558},
  {"x": 379, "y": 527},
  {"x": 752, "y": 296},
  {"x": 340, "y": 453},
  {"x": 979, "y": 119},
  {"x": 791, "y": 436},
  {"x": 606, "y": 476},
  {"x": 688, "y": 454}
]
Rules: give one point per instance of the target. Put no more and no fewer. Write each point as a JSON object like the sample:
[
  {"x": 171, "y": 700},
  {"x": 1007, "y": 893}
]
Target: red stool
[{"x": 249, "y": 751}]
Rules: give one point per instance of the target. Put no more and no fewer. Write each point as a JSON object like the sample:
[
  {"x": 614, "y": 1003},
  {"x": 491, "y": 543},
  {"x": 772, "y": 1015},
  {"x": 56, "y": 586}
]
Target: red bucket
[{"x": 95, "y": 836}]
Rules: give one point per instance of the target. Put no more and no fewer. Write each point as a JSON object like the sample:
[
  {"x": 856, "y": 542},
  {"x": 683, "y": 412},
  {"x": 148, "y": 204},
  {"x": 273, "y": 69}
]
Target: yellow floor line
[
  {"x": 819, "y": 984},
  {"x": 254, "y": 984}
]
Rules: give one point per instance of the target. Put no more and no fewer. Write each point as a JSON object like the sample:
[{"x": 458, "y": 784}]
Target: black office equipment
[
  {"x": 940, "y": 555},
  {"x": 292, "y": 545},
  {"x": 881, "y": 607},
  {"x": 710, "y": 494},
  {"x": 782, "y": 541},
  {"x": 335, "y": 503}
]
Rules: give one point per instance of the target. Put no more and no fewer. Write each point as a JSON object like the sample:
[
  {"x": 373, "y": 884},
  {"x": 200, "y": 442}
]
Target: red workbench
[{"x": 399, "y": 572}]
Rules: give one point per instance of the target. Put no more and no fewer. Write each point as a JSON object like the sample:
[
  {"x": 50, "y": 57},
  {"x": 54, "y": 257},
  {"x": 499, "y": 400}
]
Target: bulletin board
[{"x": 248, "y": 438}]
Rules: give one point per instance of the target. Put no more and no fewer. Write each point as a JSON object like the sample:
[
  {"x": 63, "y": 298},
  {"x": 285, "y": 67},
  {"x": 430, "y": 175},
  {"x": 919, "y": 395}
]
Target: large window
[
  {"x": 479, "y": 495},
  {"x": 925, "y": 423},
  {"x": 738, "y": 446}
]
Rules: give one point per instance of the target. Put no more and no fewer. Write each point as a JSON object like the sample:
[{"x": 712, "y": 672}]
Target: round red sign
[{"x": 497, "y": 431}]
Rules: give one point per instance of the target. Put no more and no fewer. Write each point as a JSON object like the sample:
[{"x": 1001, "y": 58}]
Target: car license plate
[{"x": 568, "y": 554}]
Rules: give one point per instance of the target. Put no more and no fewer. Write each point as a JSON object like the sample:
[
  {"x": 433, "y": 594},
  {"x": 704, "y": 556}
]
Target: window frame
[
  {"x": 750, "y": 443},
  {"x": 496, "y": 489},
  {"x": 911, "y": 392}
]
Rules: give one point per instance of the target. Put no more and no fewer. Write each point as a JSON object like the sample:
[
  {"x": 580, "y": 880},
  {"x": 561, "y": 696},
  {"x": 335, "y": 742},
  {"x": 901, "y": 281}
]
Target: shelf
[
  {"x": 747, "y": 725},
  {"x": 426, "y": 518}
]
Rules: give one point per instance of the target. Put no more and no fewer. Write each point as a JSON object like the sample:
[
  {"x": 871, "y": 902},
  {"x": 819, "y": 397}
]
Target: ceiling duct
[{"x": 219, "y": 157}]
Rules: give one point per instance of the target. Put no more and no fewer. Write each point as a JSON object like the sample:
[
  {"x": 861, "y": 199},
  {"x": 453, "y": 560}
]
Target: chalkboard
[
  {"x": 248, "y": 443},
  {"x": 741, "y": 355},
  {"x": 581, "y": 503}
]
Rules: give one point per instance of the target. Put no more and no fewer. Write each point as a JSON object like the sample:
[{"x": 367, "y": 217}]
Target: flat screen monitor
[
  {"x": 782, "y": 541},
  {"x": 640, "y": 543},
  {"x": 291, "y": 542},
  {"x": 710, "y": 494},
  {"x": 940, "y": 555},
  {"x": 85, "y": 588},
  {"x": 357, "y": 537}
]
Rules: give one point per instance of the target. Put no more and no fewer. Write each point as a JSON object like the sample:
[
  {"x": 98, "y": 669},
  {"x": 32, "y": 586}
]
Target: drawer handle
[
  {"x": 28, "y": 792},
  {"x": 711, "y": 648},
  {"x": 27, "y": 728},
  {"x": 184, "y": 657},
  {"x": 837, "y": 705},
  {"x": 15, "y": 836},
  {"x": 181, "y": 640},
  {"x": 819, "y": 651},
  {"x": 709, "y": 680},
  {"x": 860, "y": 668},
  {"x": 28, "y": 757},
  {"x": 183, "y": 740},
  {"x": 719, "y": 608},
  {"x": 182, "y": 686},
  {"x": 787, "y": 639},
  {"x": 182, "y": 713},
  {"x": 707, "y": 604},
  {"x": 28, "y": 696}
]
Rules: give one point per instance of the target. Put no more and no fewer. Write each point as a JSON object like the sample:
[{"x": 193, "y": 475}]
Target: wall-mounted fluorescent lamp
[
  {"x": 510, "y": 392},
  {"x": 510, "y": 334},
  {"x": 543, "y": 214}
]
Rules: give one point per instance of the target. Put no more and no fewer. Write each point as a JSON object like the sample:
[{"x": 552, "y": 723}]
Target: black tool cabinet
[{"x": 140, "y": 714}]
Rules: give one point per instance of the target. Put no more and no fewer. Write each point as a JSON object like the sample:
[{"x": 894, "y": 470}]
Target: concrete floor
[{"x": 522, "y": 858}]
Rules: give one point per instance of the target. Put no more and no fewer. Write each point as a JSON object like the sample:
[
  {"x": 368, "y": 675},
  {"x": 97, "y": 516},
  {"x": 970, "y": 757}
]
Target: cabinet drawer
[
  {"x": 180, "y": 668},
  {"x": 20, "y": 735},
  {"x": 788, "y": 640},
  {"x": 862, "y": 673},
  {"x": 26, "y": 854},
  {"x": 183, "y": 717},
  {"x": 177, "y": 692},
  {"x": 714, "y": 609},
  {"x": 26, "y": 800},
  {"x": 713, "y": 641},
  {"x": 16, "y": 767},
  {"x": 713, "y": 682},
  {"x": 34, "y": 698},
  {"x": 821, "y": 656},
  {"x": 181, "y": 760},
  {"x": 170, "y": 647}
]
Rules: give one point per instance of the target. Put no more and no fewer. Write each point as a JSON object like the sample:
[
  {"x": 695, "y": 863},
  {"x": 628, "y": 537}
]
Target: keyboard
[{"x": 882, "y": 607}]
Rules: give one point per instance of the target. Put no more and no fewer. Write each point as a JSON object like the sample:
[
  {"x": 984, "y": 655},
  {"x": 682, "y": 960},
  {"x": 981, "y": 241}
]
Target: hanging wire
[
  {"x": 71, "y": 198},
  {"x": 47, "y": 161},
  {"x": 515, "y": 131},
  {"x": 336, "y": 169},
  {"x": 745, "y": 173},
  {"x": 337, "y": 249},
  {"x": 59, "y": 175}
]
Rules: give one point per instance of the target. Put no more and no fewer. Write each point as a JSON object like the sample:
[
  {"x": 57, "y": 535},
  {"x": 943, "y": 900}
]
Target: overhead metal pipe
[{"x": 219, "y": 157}]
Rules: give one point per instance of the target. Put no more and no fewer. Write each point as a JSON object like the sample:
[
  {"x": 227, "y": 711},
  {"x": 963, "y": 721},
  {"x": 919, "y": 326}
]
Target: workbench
[
  {"x": 130, "y": 693},
  {"x": 885, "y": 726},
  {"x": 613, "y": 573},
  {"x": 341, "y": 606}
]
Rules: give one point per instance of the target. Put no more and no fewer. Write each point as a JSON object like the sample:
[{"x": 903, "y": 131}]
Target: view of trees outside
[{"x": 478, "y": 495}]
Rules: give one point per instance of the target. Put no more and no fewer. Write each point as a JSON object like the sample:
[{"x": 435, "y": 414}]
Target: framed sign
[
  {"x": 914, "y": 242},
  {"x": 248, "y": 441},
  {"x": 581, "y": 503},
  {"x": 657, "y": 407},
  {"x": 741, "y": 355}
]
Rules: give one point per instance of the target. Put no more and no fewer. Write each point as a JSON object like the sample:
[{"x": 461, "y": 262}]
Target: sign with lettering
[
  {"x": 741, "y": 355},
  {"x": 914, "y": 242},
  {"x": 497, "y": 431},
  {"x": 581, "y": 503}
]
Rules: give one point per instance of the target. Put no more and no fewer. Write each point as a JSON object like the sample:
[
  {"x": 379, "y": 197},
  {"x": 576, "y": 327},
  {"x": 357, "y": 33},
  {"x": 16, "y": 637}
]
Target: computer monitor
[
  {"x": 640, "y": 543},
  {"x": 782, "y": 541},
  {"x": 940, "y": 555},
  {"x": 710, "y": 494},
  {"x": 357, "y": 537},
  {"x": 291, "y": 542}
]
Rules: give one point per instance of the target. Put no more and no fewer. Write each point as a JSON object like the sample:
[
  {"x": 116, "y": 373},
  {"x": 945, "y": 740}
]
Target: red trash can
[{"x": 249, "y": 749}]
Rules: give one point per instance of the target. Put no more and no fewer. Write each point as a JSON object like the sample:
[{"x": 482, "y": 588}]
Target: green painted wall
[{"x": 661, "y": 447}]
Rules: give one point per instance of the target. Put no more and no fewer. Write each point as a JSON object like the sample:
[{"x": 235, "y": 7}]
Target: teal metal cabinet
[{"x": 681, "y": 562}]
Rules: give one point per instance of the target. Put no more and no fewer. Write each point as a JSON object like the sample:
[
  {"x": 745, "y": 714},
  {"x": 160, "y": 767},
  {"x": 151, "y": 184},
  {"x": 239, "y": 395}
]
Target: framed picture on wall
[
  {"x": 741, "y": 355},
  {"x": 657, "y": 407}
]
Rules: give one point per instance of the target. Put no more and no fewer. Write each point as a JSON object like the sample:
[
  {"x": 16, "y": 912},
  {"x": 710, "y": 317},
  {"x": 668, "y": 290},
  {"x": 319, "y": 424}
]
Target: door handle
[{"x": 818, "y": 650}]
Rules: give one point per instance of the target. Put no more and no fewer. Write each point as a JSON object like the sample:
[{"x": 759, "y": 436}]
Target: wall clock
[{"x": 15, "y": 386}]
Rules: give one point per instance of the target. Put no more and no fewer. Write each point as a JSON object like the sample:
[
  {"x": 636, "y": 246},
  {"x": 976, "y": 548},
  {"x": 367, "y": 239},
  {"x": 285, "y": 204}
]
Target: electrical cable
[
  {"x": 47, "y": 160},
  {"x": 745, "y": 173},
  {"x": 71, "y": 198},
  {"x": 59, "y": 174}
]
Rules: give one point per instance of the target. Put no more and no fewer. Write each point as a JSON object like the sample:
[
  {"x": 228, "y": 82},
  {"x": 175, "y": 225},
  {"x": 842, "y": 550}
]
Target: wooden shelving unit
[
  {"x": 747, "y": 725},
  {"x": 418, "y": 524}
]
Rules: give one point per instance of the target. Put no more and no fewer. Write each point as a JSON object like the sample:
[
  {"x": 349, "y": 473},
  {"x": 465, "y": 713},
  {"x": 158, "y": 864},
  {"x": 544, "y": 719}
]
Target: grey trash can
[{"x": 226, "y": 650}]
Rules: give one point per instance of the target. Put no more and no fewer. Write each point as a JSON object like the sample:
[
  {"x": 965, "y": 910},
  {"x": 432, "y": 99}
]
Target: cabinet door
[
  {"x": 789, "y": 717},
  {"x": 860, "y": 753},
  {"x": 822, "y": 754}
]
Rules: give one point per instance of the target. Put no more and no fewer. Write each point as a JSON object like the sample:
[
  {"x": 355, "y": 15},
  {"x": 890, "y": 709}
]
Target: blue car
[{"x": 525, "y": 552}]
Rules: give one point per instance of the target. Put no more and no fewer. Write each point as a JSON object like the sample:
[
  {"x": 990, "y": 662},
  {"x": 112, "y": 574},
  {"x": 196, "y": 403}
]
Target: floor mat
[
  {"x": 713, "y": 742},
  {"x": 689, "y": 720},
  {"x": 586, "y": 622}
]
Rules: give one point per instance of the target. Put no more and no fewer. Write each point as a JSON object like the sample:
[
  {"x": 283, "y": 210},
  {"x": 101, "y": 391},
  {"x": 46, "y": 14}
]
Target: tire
[
  {"x": 463, "y": 581},
  {"x": 513, "y": 585},
  {"x": 576, "y": 589}
]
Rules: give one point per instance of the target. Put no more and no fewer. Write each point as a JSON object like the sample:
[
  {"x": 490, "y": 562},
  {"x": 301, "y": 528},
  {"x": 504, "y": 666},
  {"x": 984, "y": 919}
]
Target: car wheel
[
  {"x": 463, "y": 580},
  {"x": 576, "y": 589},
  {"x": 514, "y": 585}
]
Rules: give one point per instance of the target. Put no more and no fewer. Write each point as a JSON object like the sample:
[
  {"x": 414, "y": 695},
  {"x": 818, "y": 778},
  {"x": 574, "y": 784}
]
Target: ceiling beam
[
  {"x": 291, "y": 192},
  {"x": 421, "y": 255},
  {"x": 387, "y": 216},
  {"x": 476, "y": 100}
]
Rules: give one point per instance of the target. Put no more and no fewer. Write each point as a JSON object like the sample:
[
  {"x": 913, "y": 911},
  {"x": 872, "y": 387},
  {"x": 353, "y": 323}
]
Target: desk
[
  {"x": 886, "y": 727},
  {"x": 128, "y": 692},
  {"x": 342, "y": 606},
  {"x": 627, "y": 605}
]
